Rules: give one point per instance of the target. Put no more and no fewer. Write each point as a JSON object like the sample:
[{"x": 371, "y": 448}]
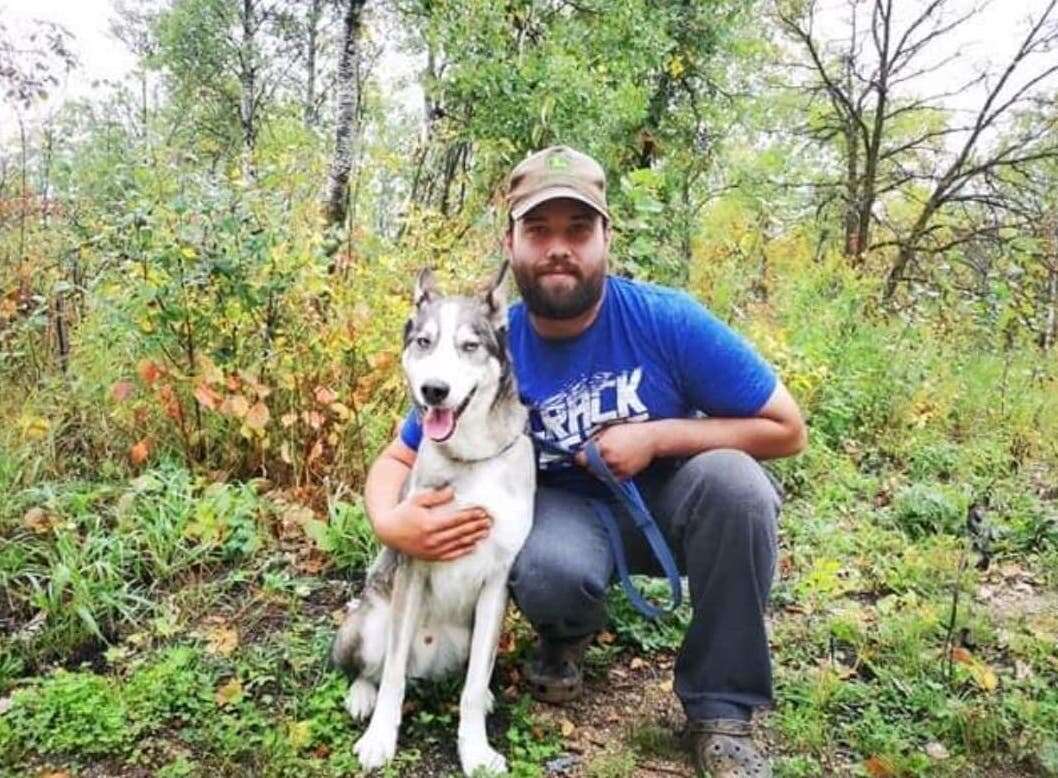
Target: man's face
[{"x": 558, "y": 254}]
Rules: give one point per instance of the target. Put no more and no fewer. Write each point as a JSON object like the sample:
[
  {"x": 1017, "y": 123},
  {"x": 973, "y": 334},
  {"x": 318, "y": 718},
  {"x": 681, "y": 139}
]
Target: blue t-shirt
[{"x": 651, "y": 353}]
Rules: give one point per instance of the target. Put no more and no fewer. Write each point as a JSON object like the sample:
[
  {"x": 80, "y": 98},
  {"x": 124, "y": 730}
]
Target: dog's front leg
[
  {"x": 378, "y": 744},
  {"x": 474, "y": 750}
]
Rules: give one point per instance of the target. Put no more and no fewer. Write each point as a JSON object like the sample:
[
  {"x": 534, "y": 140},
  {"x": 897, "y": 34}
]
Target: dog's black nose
[{"x": 434, "y": 392}]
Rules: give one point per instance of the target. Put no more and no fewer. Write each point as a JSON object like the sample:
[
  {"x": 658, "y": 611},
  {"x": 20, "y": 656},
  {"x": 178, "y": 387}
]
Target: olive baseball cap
[{"x": 557, "y": 171}]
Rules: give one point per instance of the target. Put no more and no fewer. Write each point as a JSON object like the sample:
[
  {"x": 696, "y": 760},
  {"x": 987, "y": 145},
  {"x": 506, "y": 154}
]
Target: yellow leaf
[
  {"x": 223, "y": 640},
  {"x": 567, "y": 727},
  {"x": 211, "y": 374},
  {"x": 258, "y": 416},
  {"x": 340, "y": 410},
  {"x": 299, "y": 733},
  {"x": 229, "y": 693},
  {"x": 188, "y": 252}
]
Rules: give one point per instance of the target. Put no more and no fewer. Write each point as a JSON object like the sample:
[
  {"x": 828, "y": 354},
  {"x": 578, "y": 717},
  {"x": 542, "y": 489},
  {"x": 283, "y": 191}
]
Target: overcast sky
[{"x": 993, "y": 35}]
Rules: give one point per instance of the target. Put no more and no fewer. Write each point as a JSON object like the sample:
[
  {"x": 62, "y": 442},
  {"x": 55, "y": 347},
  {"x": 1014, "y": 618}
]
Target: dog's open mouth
[{"x": 440, "y": 423}]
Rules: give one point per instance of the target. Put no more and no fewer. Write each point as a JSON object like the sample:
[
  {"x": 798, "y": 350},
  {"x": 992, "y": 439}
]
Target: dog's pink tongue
[{"x": 438, "y": 423}]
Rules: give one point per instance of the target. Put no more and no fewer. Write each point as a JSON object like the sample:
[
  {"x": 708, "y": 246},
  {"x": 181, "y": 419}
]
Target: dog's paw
[
  {"x": 481, "y": 759},
  {"x": 376, "y": 748},
  {"x": 360, "y": 699}
]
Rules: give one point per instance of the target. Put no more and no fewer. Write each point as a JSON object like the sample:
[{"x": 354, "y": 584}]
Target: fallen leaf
[
  {"x": 287, "y": 419},
  {"x": 878, "y": 767},
  {"x": 121, "y": 391},
  {"x": 314, "y": 419},
  {"x": 39, "y": 521},
  {"x": 299, "y": 733},
  {"x": 229, "y": 693},
  {"x": 223, "y": 640},
  {"x": 140, "y": 451},
  {"x": 258, "y": 416},
  {"x": 936, "y": 751},
  {"x": 567, "y": 728},
  {"x": 325, "y": 396},
  {"x": 637, "y": 663}
]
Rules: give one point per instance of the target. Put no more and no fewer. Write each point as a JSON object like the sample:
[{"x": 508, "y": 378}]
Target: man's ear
[
  {"x": 495, "y": 298},
  {"x": 425, "y": 287}
]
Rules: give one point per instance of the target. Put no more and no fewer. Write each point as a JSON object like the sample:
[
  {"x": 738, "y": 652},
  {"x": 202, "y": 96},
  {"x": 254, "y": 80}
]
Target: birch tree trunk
[{"x": 347, "y": 125}]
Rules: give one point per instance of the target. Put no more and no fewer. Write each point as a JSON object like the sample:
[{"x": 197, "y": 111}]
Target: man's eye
[
  {"x": 470, "y": 347},
  {"x": 422, "y": 341}
]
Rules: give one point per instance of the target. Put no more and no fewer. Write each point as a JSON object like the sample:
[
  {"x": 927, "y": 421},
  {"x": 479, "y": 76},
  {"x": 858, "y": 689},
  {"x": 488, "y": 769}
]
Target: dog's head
[{"x": 455, "y": 356}]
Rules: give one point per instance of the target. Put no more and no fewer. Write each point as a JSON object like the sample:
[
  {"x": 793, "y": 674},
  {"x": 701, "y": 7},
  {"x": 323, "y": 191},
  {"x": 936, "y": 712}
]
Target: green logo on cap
[{"x": 558, "y": 162}]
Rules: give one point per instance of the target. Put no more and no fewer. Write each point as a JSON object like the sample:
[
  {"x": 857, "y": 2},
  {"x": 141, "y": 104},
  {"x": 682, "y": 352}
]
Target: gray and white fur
[{"x": 426, "y": 619}]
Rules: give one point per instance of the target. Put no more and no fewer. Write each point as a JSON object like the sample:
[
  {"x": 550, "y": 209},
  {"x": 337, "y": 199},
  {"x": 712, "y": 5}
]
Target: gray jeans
[{"x": 719, "y": 512}]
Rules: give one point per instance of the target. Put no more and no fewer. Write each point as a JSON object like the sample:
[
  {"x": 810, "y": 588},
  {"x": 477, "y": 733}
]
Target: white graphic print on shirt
[{"x": 581, "y": 409}]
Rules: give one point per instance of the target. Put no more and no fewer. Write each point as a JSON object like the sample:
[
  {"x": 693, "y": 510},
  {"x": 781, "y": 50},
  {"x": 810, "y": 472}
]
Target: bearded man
[{"x": 673, "y": 399}]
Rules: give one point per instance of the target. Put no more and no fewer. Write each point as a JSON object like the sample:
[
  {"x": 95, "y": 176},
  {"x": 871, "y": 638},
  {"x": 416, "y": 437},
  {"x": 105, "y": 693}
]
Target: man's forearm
[
  {"x": 382, "y": 489},
  {"x": 761, "y": 438}
]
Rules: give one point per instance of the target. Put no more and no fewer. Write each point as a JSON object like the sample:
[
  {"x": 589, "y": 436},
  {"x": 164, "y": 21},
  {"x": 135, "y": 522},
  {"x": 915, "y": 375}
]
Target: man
[{"x": 675, "y": 400}]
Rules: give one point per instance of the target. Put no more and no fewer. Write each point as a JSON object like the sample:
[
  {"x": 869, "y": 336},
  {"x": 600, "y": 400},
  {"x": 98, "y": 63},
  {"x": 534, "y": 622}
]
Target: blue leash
[{"x": 627, "y": 495}]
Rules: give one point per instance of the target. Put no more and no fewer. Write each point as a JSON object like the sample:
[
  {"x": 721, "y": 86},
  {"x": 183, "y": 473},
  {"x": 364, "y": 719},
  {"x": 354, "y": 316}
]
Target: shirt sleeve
[
  {"x": 411, "y": 430},
  {"x": 721, "y": 374}
]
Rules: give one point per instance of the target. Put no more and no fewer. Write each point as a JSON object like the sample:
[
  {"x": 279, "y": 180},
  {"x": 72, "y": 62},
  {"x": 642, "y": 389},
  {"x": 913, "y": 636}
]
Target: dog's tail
[{"x": 345, "y": 648}]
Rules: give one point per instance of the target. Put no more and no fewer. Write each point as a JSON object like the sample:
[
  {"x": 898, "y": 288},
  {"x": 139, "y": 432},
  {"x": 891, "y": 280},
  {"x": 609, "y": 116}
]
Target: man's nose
[{"x": 557, "y": 249}]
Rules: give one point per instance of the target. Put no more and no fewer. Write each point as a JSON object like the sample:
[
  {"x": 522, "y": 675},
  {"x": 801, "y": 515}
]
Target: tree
[
  {"x": 347, "y": 120},
  {"x": 896, "y": 144}
]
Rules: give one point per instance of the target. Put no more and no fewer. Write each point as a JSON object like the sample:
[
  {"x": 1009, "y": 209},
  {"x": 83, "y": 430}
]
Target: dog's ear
[
  {"x": 496, "y": 298},
  {"x": 425, "y": 287}
]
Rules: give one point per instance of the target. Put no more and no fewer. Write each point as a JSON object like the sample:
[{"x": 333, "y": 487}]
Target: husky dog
[{"x": 426, "y": 619}]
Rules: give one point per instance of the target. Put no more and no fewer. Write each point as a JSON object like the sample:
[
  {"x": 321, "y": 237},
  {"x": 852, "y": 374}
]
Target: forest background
[{"x": 205, "y": 265}]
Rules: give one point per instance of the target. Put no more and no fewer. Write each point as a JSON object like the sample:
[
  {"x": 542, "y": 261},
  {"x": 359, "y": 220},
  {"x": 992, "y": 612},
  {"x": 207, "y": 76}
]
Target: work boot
[
  {"x": 724, "y": 748},
  {"x": 554, "y": 671}
]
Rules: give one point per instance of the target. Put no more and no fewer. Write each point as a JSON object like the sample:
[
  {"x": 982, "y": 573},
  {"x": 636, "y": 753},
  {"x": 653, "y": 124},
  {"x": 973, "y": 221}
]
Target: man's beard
[{"x": 566, "y": 303}]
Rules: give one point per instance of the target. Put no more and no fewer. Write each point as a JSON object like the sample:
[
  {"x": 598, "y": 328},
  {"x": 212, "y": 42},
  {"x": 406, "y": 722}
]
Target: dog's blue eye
[
  {"x": 470, "y": 346},
  {"x": 422, "y": 341}
]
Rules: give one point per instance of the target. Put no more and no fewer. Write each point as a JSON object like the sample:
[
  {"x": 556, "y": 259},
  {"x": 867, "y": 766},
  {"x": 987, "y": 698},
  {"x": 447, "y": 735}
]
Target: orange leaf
[
  {"x": 149, "y": 371},
  {"x": 139, "y": 452},
  {"x": 962, "y": 656},
  {"x": 121, "y": 391},
  {"x": 258, "y": 416},
  {"x": 879, "y": 767},
  {"x": 314, "y": 419},
  {"x": 207, "y": 397},
  {"x": 325, "y": 396},
  {"x": 235, "y": 405}
]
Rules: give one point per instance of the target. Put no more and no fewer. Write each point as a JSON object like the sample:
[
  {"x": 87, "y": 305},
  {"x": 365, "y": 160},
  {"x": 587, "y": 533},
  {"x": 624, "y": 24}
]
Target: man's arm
[
  {"x": 418, "y": 525},
  {"x": 778, "y": 430}
]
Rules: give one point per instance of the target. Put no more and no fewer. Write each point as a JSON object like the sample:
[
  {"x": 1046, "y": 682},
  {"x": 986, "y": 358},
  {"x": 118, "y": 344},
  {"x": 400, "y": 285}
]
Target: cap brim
[{"x": 556, "y": 193}]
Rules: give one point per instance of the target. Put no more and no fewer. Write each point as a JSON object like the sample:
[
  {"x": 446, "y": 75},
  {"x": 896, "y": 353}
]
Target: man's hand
[
  {"x": 418, "y": 527},
  {"x": 627, "y": 449}
]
